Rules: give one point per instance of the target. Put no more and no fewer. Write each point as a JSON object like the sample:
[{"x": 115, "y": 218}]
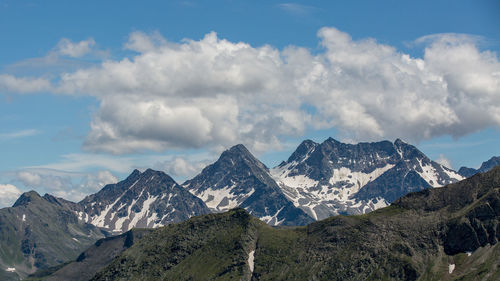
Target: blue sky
[{"x": 89, "y": 91}]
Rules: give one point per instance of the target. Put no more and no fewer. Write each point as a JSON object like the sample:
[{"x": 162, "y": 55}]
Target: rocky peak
[
  {"x": 148, "y": 199},
  {"x": 485, "y": 167},
  {"x": 26, "y": 198},
  {"x": 239, "y": 155},
  {"x": 238, "y": 179},
  {"x": 408, "y": 151},
  {"x": 490, "y": 164},
  {"x": 302, "y": 151}
]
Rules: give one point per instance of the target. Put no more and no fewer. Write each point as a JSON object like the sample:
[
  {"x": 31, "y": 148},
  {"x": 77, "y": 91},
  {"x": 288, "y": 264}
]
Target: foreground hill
[
  {"x": 445, "y": 233},
  {"x": 39, "y": 232}
]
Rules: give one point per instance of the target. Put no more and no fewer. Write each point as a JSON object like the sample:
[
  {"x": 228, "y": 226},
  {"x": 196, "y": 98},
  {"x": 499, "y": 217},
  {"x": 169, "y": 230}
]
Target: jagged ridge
[{"x": 338, "y": 178}]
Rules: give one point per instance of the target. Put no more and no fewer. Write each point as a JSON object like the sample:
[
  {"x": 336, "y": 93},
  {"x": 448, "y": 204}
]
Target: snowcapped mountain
[
  {"x": 338, "y": 178},
  {"x": 149, "y": 199},
  {"x": 238, "y": 179},
  {"x": 485, "y": 167}
]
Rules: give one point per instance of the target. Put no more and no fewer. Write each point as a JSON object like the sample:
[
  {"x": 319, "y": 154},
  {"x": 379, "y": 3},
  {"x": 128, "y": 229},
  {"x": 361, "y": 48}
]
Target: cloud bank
[{"x": 215, "y": 93}]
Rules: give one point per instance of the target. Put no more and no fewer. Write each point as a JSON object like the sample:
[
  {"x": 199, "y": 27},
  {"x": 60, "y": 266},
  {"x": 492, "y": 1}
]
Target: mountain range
[
  {"x": 448, "y": 233},
  {"x": 318, "y": 180}
]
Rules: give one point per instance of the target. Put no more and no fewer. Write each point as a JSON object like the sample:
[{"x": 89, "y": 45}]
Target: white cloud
[
  {"x": 444, "y": 161},
  {"x": 216, "y": 93},
  {"x": 182, "y": 168},
  {"x": 23, "y": 85},
  {"x": 194, "y": 94},
  {"x": 18, "y": 134},
  {"x": 179, "y": 166},
  {"x": 76, "y": 162},
  {"x": 93, "y": 182},
  {"x": 66, "y": 47},
  {"x": 141, "y": 42},
  {"x": 8, "y": 195},
  {"x": 68, "y": 185},
  {"x": 296, "y": 9},
  {"x": 45, "y": 179}
]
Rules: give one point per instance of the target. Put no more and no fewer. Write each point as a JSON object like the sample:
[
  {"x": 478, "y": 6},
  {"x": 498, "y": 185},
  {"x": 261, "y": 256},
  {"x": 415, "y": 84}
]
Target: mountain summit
[
  {"x": 338, "y": 178},
  {"x": 238, "y": 179},
  {"x": 149, "y": 199}
]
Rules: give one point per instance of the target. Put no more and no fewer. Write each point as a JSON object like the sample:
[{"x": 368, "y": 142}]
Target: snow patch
[
  {"x": 24, "y": 217},
  {"x": 273, "y": 220},
  {"x": 469, "y": 254},
  {"x": 357, "y": 179},
  {"x": 75, "y": 239},
  {"x": 451, "y": 267},
  {"x": 251, "y": 260},
  {"x": 307, "y": 193},
  {"x": 99, "y": 221},
  {"x": 10, "y": 269},
  {"x": 452, "y": 174},
  {"x": 214, "y": 197},
  {"x": 429, "y": 174},
  {"x": 144, "y": 211}
]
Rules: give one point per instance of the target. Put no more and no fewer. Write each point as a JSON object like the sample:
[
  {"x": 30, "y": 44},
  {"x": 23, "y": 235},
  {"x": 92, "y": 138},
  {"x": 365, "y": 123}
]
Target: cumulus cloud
[
  {"x": 66, "y": 47},
  {"x": 212, "y": 92},
  {"x": 68, "y": 185},
  {"x": 10, "y": 83},
  {"x": 8, "y": 195},
  {"x": 193, "y": 94}
]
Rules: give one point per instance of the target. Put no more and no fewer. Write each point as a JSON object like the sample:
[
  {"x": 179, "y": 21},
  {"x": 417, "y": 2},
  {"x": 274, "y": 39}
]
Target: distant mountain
[
  {"x": 238, "y": 179},
  {"x": 448, "y": 233},
  {"x": 149, "y": 199},
  {"x": 485, "y": 167},
  {"x": 40, "y": 232},
  {"x": 338, "y": 178}
]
